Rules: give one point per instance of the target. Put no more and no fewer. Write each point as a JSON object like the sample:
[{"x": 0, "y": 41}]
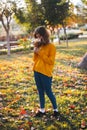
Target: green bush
[
  {"x": 25, "y": 42},
  {"x": 69, "y": 36}
]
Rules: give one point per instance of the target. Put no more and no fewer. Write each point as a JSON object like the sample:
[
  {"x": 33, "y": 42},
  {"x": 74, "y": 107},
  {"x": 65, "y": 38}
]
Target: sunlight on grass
[{"x": 19, "y": 98}]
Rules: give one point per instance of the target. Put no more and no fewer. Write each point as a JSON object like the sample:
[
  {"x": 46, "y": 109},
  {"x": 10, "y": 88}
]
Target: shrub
[
  {"x": 25, "y": 42},
  {"x": 69, "y": 36}
]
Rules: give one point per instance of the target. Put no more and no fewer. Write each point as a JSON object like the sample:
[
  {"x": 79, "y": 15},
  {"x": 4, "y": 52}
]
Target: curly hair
[{"x": 42, "y": 32}]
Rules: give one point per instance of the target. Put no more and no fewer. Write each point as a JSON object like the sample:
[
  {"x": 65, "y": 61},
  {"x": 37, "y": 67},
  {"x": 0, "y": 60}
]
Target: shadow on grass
[{"x": 58, "y": 123}]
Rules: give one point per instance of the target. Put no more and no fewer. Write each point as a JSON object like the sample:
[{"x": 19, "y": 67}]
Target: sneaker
[
  {"x": 56, "y": 114},
  {"x": 40, "y": 114},
  {"x": 59, "y": 116}
]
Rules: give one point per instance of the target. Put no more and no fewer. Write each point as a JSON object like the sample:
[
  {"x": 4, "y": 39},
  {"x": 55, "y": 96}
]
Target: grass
[{"x": 19, "y": 97}]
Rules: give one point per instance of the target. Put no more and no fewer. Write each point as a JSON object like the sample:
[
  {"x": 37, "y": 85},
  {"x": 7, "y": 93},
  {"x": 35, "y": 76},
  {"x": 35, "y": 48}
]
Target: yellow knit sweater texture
[{"x": 44, "y": 60}]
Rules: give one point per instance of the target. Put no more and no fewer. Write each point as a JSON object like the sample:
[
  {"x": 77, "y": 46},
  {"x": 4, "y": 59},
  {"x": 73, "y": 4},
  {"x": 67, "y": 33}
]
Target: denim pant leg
[
  {"x": 40, "y": 89},
  {"x": 47, "y": 82}
]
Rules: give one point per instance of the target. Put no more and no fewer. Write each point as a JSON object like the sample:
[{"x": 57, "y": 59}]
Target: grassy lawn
[{"x": 19, "y": 97}]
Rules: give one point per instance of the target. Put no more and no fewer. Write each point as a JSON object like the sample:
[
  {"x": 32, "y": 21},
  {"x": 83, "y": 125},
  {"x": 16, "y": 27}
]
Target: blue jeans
[{"x": 43, "y": 84}]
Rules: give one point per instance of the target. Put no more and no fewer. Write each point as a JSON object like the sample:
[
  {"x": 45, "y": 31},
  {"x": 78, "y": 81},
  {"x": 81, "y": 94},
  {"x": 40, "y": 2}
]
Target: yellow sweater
[{"x": 44, "y": 60}]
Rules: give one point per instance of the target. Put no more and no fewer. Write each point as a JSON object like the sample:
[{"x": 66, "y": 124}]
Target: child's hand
[
  {"x": 36, "y": 49},
  {"x": 37, "y": 43}
]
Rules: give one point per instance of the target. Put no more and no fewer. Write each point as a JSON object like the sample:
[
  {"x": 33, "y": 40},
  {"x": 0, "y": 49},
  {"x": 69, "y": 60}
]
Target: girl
[{"x": 44, "y": 57}]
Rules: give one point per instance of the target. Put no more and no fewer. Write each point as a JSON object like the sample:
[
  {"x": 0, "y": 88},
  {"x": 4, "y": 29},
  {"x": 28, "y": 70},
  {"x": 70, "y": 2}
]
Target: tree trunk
[
  {"x": 8, "y": 44},
  {"x": 66, "y": 36},
  {"x": 64, "y": 27},
  {"x": 58, "y": 32},
  {"x": 7, "y": 29},
  {"x": 83, "y": 62}
]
